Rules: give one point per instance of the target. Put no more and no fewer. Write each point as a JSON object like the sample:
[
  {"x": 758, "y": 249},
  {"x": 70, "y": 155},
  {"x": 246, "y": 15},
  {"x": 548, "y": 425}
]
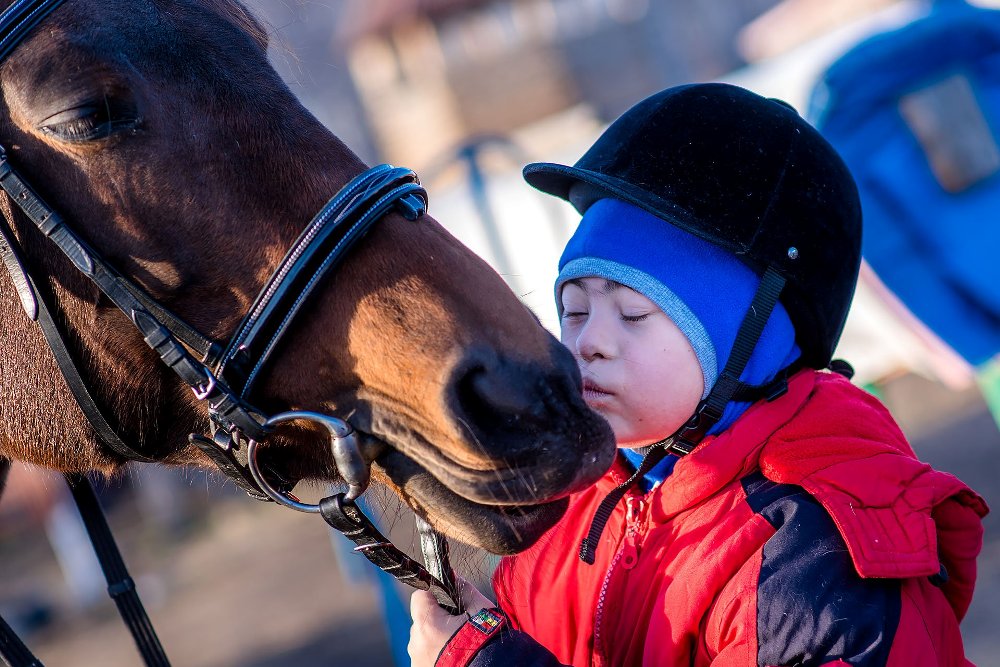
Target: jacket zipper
[{"x": 628, "y": 556}]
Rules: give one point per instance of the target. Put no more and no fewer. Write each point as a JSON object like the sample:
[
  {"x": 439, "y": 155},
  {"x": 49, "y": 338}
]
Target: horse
[{"x": 161, "y": 133}]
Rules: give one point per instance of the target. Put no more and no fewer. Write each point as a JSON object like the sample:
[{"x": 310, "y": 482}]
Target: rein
[{"x": 220, "y": 376}]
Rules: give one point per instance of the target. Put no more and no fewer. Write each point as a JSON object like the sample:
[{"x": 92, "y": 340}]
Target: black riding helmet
[
  {"x": 749, "y": 175},
  {"x": 745, "y": 173}
]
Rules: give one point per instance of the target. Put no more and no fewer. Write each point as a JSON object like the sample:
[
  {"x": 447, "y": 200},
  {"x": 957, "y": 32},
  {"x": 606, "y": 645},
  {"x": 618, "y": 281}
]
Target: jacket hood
[{"x": 898, "y": 516}]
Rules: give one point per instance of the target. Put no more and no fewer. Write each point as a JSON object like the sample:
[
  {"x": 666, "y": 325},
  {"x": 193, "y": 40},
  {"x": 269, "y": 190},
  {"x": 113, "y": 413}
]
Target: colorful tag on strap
[
  {"x": 471, "y": 637},
  {"x": 487, "y": 621}
]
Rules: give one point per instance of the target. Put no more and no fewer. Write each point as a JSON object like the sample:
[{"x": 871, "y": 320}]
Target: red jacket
[{"x": 808, "y": 533}]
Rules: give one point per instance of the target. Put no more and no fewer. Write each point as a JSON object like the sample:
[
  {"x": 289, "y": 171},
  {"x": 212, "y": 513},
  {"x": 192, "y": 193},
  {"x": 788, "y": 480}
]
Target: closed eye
[
  {"x": 635, "y": 318},
  {"x": 92, "y": 121}
]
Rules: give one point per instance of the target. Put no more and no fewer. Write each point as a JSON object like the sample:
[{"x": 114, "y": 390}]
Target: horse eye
[{"x": 92, "y": 121}]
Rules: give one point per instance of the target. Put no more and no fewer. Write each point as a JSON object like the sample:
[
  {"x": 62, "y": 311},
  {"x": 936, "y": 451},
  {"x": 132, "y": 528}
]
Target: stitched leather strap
[
  {"x": 161, "y": 339},
  {"x": 19, "y": 19},
  {"x": 435, "y": 549},
  {"x": 345, "y": 516},
  {"x": 320, "y": 248}
]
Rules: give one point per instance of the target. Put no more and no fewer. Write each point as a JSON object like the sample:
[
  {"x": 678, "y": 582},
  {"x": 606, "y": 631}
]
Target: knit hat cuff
[{"x": 656, "y": 292}]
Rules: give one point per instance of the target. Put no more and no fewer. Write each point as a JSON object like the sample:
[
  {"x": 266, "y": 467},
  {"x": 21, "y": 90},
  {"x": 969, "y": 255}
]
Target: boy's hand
[{"x": 433, "y": 626}]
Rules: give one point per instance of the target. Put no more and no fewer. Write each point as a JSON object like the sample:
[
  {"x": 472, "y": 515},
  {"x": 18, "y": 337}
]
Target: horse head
[{"x": 163, "y": 136}]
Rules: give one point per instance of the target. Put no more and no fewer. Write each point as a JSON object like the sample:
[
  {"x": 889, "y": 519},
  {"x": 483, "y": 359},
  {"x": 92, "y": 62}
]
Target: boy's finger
[{"x": 421, "y": 603}]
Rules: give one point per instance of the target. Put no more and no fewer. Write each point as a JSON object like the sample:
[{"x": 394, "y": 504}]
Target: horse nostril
[
  {"x": 499, "y": 402},
  {"x": 498, "y": 392},
  {"x": 508, "y": 406}
]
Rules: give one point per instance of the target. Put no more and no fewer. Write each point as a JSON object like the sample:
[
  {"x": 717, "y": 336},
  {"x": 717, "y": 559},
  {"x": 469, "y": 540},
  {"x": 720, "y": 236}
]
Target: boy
[{"x": 764, "y": 511}]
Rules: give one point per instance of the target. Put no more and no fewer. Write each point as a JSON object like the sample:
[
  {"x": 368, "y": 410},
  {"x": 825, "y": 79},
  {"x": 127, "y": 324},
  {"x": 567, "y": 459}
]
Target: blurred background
[{"x": 466, "y": 92}]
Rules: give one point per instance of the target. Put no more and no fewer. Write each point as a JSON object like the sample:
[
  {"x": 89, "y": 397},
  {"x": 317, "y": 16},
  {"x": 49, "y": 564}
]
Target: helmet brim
[
  {"x": 561, "y": 181},
  {"x": 558, "y": 180}
]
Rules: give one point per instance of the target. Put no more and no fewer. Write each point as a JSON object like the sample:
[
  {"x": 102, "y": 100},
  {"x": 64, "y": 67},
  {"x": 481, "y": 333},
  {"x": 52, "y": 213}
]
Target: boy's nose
[{"x": 594, "y": 340}]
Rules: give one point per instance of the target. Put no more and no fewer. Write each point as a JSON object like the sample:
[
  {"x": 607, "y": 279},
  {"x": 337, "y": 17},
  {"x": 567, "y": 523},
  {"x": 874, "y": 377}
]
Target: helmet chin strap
[
  {"x": 708, "y": 413},
  {"x": 729, "y": 387}
]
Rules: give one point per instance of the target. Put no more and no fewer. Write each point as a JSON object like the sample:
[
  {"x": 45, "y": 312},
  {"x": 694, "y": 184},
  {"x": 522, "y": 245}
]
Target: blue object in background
[
  {"x": 915, "y": 113},
  {"x": 393, "y": 596}
]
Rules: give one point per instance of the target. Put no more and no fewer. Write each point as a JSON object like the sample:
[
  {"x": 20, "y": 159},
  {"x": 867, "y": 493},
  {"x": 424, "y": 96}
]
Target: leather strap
[
  {"x": 320, "y": 248},
  {"x": 12, "y": 649},
  {"x": 121, "y": 588},
  {"x": 208, "y": 350},
  {"x": 345, "y": 516},
  {"x": 434, "y": 547},
  {"x": 107, "y": 434},
  {"x": 238, "y": 415},
  {"x": 19, "y": 19}
]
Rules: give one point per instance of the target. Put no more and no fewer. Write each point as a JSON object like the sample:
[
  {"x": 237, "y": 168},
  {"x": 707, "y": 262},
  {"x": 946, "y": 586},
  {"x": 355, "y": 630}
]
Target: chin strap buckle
[{"x": 689, "y": 435}]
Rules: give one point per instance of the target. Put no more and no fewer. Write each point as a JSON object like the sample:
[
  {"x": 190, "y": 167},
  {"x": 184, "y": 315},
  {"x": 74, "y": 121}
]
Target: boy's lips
[{"x": 592, "y": 390}]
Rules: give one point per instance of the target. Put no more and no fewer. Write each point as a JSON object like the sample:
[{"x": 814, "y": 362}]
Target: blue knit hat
[{"x": 702, "y": 288}]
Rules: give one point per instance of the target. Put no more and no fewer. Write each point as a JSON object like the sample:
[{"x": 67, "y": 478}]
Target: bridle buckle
[{"x": 204, "y": 390}]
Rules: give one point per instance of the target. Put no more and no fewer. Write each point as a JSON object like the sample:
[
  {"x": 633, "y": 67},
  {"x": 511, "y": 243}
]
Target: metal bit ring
[{"x": 346, "y": 452}]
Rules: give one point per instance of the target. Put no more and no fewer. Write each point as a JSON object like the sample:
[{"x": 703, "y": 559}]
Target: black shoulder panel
[{"x": 812, "y": 606}]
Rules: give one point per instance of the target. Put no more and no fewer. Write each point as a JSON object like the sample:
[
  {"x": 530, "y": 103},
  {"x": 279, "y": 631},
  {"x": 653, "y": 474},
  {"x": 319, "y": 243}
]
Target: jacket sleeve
[
  {"x": 799, "y": 600},
  {"x": 488, "y": 640}
]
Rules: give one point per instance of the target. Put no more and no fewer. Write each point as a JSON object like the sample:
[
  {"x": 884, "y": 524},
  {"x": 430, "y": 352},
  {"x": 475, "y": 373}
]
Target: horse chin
[{"x": 501, "y": 529}]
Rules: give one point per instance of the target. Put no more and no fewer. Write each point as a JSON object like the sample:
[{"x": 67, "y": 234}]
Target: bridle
[{"x": 220, "y": 376}]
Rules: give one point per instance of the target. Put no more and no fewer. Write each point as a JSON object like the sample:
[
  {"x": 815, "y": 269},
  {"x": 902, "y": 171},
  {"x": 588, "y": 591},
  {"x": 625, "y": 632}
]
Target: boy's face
[{"x": 639, "y": 371}]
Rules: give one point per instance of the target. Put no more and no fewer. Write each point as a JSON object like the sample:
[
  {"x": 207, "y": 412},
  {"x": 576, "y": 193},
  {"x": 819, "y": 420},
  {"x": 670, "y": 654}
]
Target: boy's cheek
[{"x": 566, "y": 338}]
